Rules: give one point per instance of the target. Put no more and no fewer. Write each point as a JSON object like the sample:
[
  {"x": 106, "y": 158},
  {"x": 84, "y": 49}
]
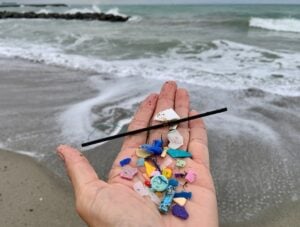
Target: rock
[{"x": 77, "y": 16}]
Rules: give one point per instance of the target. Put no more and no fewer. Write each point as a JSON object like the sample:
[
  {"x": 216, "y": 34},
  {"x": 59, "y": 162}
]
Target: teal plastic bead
[
  {"x": 176, "y": 153},
  {"x": 159, "y": 183}
]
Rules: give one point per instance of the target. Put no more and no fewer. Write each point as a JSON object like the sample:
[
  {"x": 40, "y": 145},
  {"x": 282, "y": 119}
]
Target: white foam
[
  {"x": 46, "y": 11},
  {"x": 76, "y": 10},
  {"x": 115, "y": 11},
  {"x": 135, "y": 19},
  {"x": 76, "y": 122},
  {"x": 96, "y": 9},
  {"x": 227, "y": 65},
  {"x": 284, "y": 24},
  {"x": 33, "y": 154}
]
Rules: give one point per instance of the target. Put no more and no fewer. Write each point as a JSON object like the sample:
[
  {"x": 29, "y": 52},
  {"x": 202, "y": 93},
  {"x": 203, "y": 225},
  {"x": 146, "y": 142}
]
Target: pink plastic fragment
[
  {"x": 191, "y": 176},
  {"x": 128, "y": 172},
  {"x": 155, "y": 173},
  {"x": 167, "y": 162}
]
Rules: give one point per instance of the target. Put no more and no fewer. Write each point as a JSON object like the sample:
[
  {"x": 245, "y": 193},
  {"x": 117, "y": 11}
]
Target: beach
[
  {"x": 69, "y": 82},
  {"x": 31, "y": 195},
  {"x": 41, "y": 184}
]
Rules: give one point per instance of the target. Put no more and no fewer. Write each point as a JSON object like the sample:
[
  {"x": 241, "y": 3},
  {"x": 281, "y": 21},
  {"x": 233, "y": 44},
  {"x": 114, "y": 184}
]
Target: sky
[{"x": 157, "y": 1}]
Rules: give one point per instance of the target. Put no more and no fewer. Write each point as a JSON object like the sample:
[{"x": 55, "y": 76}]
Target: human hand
[{"x": 115, "y": 203}]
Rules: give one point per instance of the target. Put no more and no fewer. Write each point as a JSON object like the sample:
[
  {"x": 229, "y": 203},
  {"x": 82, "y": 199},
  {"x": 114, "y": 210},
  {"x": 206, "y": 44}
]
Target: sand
[
  {"x": 32, "y": 95},
  {"x": 32, "y": 196}
]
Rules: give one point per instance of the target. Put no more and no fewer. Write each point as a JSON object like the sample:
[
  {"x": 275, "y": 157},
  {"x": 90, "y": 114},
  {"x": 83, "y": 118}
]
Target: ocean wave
[
  {"x": 283, "y": 25},
  {"x": 221, "y": 64}
]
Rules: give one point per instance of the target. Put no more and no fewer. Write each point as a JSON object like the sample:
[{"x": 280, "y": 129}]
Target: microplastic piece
[
  {"x": 141, "y": 153},
  {"x": 167, "y": 172},
  {"x": 179, "y": 175},
  {"x": 180, "y": 163},
  {"x": 128, "y": 172},
  {"x": 180, "y": 201},
  {"x": 147, "y": 183},
  {"x": 166, "y": 115},
  {"x": 175, "y": 139},
  {"x": 140, "y": 188},
  {"x": 159, "y": 183},
  {"x": 166, "y": 202},
  {"x": 149, "y": 169},
  {"x": 125, "y": 161},
  {"x": 173, "y": 182},
  {"x": 155, "y": 148},
  {"x": 167, "y": 162},
  {"x": 191, "y": 176},
  {"x": 184, "y": 194},
  {"x": 155, "y": 173},
  {"x": 180, "y": 212},
  {"x": 164, "y": 153},
  {"x": 176, "y": 153},
  {"x": 154, "y": 197},
  {"x": 140, "y": 162}
]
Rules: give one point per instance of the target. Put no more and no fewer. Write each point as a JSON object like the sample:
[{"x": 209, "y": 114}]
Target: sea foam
[
  {"x": 223, "y": 64},
  {"x": 282, "y": 25}
]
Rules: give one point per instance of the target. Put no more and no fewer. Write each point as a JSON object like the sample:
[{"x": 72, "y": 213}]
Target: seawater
[
  {"x": 230, "y": 47},
  {"x": 246, "y": 57}
]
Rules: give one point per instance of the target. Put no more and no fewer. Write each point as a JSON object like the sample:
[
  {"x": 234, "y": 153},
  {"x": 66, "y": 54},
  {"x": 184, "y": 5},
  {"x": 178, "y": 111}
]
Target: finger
[
  {"x": 141, "y": 119},
  {"x": 198, "y": 141},
  {"x": 78, "y": 168},
  {"x": 182, "y": 107},
  {"x": 165, "y": 101}
]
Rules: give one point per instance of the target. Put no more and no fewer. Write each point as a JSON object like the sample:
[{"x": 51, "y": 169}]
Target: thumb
[{"x": 78, "y": 168}]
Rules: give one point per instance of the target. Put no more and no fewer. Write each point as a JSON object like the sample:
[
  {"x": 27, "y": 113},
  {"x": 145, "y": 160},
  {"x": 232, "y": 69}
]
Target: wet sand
[{"x": 30, "y": 195}]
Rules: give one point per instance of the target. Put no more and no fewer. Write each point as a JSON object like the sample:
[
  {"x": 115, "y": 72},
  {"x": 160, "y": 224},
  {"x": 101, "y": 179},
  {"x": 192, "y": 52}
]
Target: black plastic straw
[{"x": 165, "y": 124}]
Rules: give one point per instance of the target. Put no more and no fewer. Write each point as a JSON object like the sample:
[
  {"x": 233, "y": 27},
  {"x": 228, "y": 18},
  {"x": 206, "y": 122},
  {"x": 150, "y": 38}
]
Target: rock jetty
[{"x": 66, "y": 16}]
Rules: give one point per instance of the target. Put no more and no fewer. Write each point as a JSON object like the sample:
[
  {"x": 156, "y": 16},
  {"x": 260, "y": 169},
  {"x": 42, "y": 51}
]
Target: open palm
[{"x": 115, "y": 203}]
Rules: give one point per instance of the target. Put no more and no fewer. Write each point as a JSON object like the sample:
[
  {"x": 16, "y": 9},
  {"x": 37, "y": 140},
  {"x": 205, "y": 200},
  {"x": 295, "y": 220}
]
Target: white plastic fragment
[
  {"x": 154, "y": 197},
  {"x": 140, "y": 188},
  {"x": 175, "y": 139},
  {"x": 166, "y": 115}
]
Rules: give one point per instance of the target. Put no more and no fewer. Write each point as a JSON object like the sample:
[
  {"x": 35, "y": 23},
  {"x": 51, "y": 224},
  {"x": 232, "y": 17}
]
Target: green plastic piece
[{"x": 176, "y": 153}]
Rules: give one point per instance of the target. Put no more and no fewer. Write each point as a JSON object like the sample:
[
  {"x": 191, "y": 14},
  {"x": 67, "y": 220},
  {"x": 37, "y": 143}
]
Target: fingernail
[{"x": 62, "y": 157}]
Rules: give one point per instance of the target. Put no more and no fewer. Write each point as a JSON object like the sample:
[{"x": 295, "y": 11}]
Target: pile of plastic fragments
[{"x": 163, "y": 170}]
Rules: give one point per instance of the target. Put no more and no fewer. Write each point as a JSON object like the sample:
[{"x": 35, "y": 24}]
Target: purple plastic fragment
[
  {"x": 178, "y": 175},
  {"x": 125, "y": 161},
  {"x": 187, "y": 195},
  {"x": 180, "y": 212}
]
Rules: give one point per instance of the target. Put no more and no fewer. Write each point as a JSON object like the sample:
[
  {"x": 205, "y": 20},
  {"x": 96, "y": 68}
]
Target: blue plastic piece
[
  {"x": 166, "y": 202},
  {"x": 180, "y": 212},
  {"x": 187, "y": 195},
  {"x": 140, "y": 162},
  {"x": 155, "y": 148},
  {"x": 176, "y": 153},
  {"x": 173, "y": 182},
  {"x": 125, "y": 161},
  {"x": 159, "y": 183}
]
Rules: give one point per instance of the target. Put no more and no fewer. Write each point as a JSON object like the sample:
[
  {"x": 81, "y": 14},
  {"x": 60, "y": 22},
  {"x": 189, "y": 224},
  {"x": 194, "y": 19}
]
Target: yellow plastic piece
[
  {"x": 164, "y": 153},
  {"x": 149, "y": 169},
  {"x": 141, "y": 153},
  {"x": 180, "y": 201},
  {"x": 167, "y": 172}
]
